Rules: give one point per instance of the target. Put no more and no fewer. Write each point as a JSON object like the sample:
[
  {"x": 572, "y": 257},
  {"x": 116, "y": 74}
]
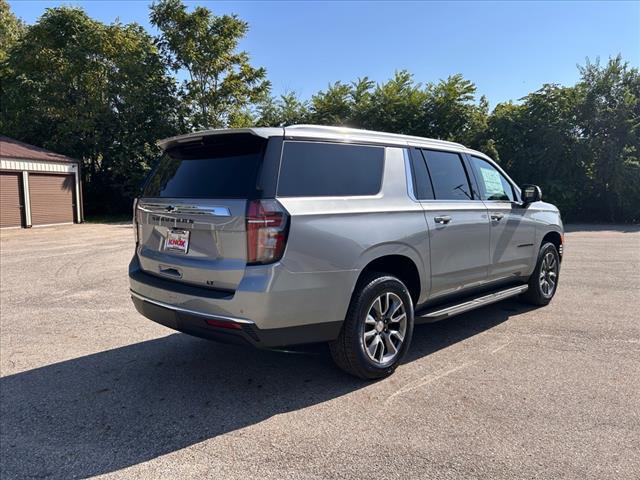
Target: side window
[
  {"x": 421, "y": 181},
  {"x": 313, "y": 169},
  {"x": 448, "y": 175},
  {"x": 492, "y": 184}
]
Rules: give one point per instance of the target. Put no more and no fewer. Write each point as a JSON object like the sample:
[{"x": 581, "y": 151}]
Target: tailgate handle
[{"x": 173, "y": 272}]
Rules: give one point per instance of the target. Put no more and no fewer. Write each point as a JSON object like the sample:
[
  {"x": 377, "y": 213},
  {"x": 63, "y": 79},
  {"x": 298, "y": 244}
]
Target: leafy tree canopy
[
  {"x": 222, "y": 85},
  {"x": 106, "y": 93},
  {"x": 580, "y": 143},
  {"x": 11, "y": 29},
  {"x": 96, "y": 92}
]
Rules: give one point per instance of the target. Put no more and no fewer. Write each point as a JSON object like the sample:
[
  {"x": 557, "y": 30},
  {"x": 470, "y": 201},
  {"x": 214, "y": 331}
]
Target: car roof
[{"x": 320, "y": 133}]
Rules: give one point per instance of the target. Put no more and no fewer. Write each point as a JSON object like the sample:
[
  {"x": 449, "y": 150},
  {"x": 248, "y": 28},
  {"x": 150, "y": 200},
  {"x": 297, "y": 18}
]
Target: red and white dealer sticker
[{"x": 178, "y": 240}]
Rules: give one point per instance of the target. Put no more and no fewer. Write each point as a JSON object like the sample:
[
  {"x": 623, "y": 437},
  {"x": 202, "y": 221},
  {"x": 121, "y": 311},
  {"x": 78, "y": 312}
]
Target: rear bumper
[
  {"x": 194, "y": 324},
  {"x": 228, "y": 330},
  {"x": 259, "y": 317}
]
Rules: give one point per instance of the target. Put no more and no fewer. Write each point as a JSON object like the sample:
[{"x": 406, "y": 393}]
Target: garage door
[
  {"x": 10, "y": 199},
  {"x": 51, "y": 198}
]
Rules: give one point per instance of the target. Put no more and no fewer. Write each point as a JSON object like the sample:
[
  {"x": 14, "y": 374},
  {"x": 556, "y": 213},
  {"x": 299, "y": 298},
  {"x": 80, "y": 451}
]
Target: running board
[{"x": 440, "y": 313}]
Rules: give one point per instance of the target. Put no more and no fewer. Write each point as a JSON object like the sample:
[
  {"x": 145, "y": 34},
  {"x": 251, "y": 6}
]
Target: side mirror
[{"x": 530, "y": 194}]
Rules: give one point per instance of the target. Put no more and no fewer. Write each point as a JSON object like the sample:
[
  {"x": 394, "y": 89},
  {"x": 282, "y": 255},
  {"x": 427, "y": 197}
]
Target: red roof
[{"x": 10, "y": 148}]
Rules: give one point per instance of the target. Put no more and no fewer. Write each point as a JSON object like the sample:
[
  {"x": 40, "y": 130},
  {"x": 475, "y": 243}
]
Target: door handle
[
  {"x": 443, "y": 219},
  {"x": 497, "y": 216}
]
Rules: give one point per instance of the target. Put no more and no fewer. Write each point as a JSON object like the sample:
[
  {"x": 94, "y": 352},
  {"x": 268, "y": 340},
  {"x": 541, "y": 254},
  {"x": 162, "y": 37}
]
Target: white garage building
[{"x": 37, "y": 187}]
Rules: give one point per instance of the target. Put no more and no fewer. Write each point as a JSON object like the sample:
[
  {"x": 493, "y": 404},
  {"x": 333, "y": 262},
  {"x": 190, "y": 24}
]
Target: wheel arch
[
  {"x": 557, "y": 239},
  {"x": 401, "y": 266}
]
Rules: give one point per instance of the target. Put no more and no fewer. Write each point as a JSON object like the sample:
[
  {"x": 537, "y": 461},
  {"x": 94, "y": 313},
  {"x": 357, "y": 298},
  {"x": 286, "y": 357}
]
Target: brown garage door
[
  {"x": 10, "y": 199},
  {"x": 52, "y": 198}
]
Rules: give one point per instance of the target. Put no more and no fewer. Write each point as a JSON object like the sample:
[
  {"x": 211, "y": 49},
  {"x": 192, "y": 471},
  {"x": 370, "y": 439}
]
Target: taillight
[
  {"x": 223, "y": 324},
  {"x": 135, "y": 221},
  {"x": 267, "y": 223}
]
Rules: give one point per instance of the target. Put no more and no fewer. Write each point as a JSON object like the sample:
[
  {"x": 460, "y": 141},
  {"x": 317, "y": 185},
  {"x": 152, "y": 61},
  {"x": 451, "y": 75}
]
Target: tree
[
  {"x": 451, "y": 113},
  {"x": 94, "y": 92},
  {"x": 538, "y": 142},
  {"x": 222, "y": 85},
  {"x": 609, "y": 119},
  {"x": 11, "y": 29},
  {"x": 579, "y": 143},
  {"x": 334, "y": 106},
  {"x": 288, "y": 109},
  {"x": 105, "y": 93},
  {"x": 394, "y": 106}
]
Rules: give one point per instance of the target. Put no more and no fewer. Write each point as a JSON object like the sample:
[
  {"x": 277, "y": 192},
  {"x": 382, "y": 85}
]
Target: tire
[
  {"x": 375, "y": 316},
  {"x": 549, "y": 262}
]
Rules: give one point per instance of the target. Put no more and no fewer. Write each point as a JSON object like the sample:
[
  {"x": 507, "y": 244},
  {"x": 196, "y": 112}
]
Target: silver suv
[{"x": 281, "y": 236}]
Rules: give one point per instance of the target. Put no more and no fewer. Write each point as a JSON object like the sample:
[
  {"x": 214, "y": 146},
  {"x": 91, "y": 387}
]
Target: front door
[{"x": 512, "y": 231}]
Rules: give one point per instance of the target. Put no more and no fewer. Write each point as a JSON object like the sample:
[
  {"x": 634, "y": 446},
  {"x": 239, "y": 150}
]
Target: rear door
[
  {"x": 458, "y": 225},
  {"x": 191, "y": 216}
]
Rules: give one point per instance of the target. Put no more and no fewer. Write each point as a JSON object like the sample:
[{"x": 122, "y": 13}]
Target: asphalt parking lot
[{"x": 90, "y": 388}]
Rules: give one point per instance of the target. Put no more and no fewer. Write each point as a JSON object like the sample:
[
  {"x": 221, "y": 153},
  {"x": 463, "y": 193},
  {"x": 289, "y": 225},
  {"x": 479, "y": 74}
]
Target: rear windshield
[{"x": 218, "y": 166}]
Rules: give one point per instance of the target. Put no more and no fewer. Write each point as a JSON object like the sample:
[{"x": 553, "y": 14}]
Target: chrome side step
[{"x": 440, "y": 313}]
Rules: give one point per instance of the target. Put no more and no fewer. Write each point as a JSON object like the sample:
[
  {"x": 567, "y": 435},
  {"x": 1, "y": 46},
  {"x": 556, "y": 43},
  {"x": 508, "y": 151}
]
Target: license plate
[{"x": 177, "y": 240}]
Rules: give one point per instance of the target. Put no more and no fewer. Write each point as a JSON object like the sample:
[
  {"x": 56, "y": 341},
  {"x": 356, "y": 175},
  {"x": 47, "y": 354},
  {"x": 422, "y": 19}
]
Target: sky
[{"x": 508, "y": 49}]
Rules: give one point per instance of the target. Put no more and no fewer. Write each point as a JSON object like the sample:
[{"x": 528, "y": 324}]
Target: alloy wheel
[
  {"x": 548, "y": 274},
  {"x": 385, "y": 328}
]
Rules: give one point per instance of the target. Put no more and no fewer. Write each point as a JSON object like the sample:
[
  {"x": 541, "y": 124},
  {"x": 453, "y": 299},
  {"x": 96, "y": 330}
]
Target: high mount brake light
[{"x": 267, "y": 223}]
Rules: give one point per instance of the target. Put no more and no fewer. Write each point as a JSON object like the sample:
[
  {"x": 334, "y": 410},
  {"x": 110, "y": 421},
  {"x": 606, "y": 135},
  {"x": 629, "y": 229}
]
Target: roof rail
[{"x": 370, "y": 133}]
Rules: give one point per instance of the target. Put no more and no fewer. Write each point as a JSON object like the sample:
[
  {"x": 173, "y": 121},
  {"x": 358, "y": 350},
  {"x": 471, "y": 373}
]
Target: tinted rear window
[
  {"x": 448, "y": 175},
  {"x": 311, "y": 169},
  {"x": 421, "y": 181},
  {"x": 219, "y": 166}
]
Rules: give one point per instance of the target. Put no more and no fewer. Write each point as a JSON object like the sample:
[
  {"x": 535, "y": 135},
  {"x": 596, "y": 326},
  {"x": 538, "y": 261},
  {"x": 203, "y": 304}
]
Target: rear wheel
[
  {"x": 377, "y": 331},
  {"x": 544, "y": 279}
]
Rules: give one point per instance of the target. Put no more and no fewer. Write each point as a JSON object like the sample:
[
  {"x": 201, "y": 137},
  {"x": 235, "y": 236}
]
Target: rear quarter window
[{"x": 313, "y": 169}]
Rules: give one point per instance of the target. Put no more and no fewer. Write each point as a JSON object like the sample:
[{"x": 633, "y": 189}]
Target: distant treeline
[{"x": 105, "y": 93}]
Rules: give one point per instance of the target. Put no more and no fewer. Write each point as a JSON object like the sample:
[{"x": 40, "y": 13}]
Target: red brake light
[
  {"x": 136, "y": 234},
  {"x": 267, "y": 223},
  {"x": 223, "y": 324}
]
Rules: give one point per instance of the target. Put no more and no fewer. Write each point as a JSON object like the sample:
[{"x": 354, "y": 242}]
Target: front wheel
[
  {"x": 543, "y": 282},
  {"x": 377, "y": 330}
]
